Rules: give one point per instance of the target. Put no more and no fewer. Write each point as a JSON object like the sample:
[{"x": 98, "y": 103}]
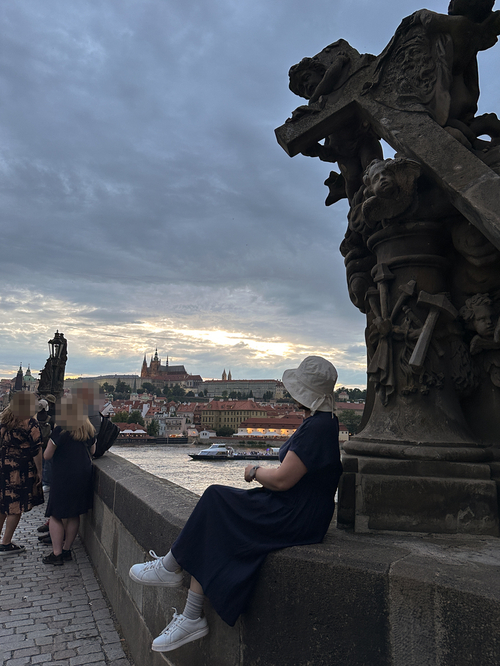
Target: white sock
[
  {"x": 194, "y": 605},
  {"x": 170, "y": 563}
]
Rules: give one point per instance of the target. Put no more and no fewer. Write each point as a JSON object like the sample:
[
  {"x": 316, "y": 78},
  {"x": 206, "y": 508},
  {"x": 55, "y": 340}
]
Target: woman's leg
[
  {"x": 56, "y": 530},
  {"x": 11, "y": 522},
  {"x": 195, "y": 586},
  {"x": 194, "y": 603},
  {"x": 71, "y": 526},
  {"x": 187, "y": 627}
]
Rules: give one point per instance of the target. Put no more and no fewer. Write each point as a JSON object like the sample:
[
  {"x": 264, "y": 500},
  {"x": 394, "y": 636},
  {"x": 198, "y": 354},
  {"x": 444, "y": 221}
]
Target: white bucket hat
[{"x": 313, "y": 384}]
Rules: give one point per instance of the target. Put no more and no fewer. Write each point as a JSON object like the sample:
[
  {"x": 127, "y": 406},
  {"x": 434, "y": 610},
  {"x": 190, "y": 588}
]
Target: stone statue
[{"x": 422, "y": 260}]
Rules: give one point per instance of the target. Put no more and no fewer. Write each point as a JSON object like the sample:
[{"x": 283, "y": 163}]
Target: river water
[{"x": 174, "y": 464}]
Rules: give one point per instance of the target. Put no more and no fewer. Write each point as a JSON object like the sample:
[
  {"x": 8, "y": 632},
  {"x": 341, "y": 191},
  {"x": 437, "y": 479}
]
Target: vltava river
[{"x": 174, "y": 464}]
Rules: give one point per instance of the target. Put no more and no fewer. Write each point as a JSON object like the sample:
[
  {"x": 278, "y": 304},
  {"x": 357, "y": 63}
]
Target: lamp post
[{"x": 52, "y": 376}]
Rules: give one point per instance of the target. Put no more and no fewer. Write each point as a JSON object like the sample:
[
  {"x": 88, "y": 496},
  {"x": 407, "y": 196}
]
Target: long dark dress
[
  {"x": 227, "y": 537},
  {"x": 71, "y": 488},
  {"x": 18, "y": 474}
]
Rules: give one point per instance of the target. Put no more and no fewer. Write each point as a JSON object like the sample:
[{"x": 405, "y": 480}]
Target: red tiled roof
[
  {"x": 234, "y": 405},
  {"x": 352, "y": 406}
]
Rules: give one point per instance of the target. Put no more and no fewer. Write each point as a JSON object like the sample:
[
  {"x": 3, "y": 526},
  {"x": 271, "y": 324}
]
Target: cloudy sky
[{"x": 144, "y": 199}]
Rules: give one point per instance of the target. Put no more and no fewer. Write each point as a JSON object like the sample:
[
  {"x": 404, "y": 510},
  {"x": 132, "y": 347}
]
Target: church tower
[
  {"x": 144, "y": 369},
  {"x": 18, "y": 386},
  {"x": 229, "y": 378},
  {"x": 154, "y": 368},
  {"x": 224, "y": 376}
]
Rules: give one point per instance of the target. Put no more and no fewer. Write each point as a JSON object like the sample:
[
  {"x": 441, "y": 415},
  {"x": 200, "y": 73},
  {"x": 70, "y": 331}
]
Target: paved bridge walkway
[{"x": 53, "y": 615}]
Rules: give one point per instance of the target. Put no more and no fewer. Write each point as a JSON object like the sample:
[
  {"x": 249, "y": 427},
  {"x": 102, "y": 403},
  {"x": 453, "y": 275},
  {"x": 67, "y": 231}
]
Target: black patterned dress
[{"x": 18, "y": 476}]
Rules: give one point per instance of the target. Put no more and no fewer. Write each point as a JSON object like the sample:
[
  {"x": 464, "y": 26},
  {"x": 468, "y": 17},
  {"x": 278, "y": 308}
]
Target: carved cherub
[
  {"x": 390, "y": 189},
  {"x": 477, "y": 313},
  {"x": 356, "y": 145}
]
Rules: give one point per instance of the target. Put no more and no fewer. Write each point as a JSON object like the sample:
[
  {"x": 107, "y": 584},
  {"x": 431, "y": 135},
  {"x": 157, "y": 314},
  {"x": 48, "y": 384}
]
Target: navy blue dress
[
  {"x": 227, "y": 537},
  {"x": 71, "y": 487}
]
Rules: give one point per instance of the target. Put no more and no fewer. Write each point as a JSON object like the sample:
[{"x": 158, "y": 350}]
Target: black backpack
[{"x": 108, "y": 432}]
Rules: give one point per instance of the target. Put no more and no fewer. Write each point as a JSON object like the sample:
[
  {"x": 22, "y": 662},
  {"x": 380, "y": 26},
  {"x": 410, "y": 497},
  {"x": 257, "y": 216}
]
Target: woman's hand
[
  {"x": 284, "y": 477},
  {"x": 249, "y": 475}
]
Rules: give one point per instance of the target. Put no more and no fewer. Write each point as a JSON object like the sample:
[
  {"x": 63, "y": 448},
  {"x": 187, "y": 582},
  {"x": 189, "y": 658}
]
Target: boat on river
[{"x": 224, "y": 452}]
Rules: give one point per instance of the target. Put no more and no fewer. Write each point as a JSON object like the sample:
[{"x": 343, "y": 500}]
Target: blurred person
[
  {"x": 46, "y": 464},
  {"x": 46, "y": 424},
  {"x": 230, "y": 532},
  {"x": 92, "y": 397},
  {"x": 70, "y": 448},
  {"x": 20, "y": 466}
]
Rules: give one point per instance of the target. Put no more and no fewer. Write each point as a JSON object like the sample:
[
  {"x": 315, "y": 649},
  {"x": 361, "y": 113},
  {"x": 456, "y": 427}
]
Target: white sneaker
[
  {"x": 180, "y": 631},
  {"x": 154, "y": 573}
]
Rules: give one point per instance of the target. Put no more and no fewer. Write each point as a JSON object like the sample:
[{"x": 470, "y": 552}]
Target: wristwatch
[{"x": 253, "y": 472}]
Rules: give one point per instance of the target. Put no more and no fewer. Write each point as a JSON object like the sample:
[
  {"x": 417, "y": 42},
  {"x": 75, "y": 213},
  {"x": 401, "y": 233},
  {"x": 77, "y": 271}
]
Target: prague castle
[{"x": 168, "y": 375}]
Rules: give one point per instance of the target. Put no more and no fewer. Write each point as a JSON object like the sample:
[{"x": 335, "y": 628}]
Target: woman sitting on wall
[{"x": 230, "y": 532}]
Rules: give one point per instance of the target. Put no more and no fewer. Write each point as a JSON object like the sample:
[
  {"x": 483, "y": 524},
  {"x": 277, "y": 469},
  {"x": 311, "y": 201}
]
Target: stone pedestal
[
  {"x": 380, "y": 494},
  {"x": 416, "y": 466}
]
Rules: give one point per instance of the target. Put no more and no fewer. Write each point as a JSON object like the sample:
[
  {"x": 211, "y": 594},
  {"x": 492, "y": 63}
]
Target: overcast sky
[{"x": 145, "y": 201}]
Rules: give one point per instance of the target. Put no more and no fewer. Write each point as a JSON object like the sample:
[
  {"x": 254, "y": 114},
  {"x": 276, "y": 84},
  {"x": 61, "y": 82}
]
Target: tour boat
[{"x": 224, "y": 452}]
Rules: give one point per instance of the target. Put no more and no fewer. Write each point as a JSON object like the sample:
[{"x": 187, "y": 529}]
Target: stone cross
[{"x": 473, "y": 188}]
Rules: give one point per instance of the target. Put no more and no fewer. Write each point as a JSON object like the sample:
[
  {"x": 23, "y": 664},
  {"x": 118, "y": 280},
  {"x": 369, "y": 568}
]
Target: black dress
[
  {"x": 19, "y": 491},
  {"x": 71, "y": 488},
  {"x": 227, "y": 537}
]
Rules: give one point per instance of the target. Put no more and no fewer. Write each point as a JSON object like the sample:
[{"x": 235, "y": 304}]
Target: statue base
[{"x": 436, "y": 496}]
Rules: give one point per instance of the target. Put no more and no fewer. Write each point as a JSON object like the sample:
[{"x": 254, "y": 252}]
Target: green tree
[
  {"x": 153, "y": 428},
  {"x": 350, "y": 419},
  {"x": 190, "y": 394},
  {"x": 122, "y": 387},
  {"x": 268, "y": 395},
  {"x": 225, "y": 431},
  {"x": 135, "y": 417},
  {"x": 120, "y": 417},
  {"x": 224, "y": 395},
  {"x": 178, "y": 391},
  {"x": 147, "y": 386},
  {"x": 109, "y": 388}
]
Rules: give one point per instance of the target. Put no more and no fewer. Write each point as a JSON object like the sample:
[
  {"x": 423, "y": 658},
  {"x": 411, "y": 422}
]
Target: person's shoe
[
  {"x": 43, "y": 528},
  {"x": 180, "y": 631},
  {"x": 46, "y": 489},
  {"x": 66, "y": 555},
  {"x": 56, "y": 560},
  {"x": 45, "y": 538},
  {"x": 154, "y": 573},
  {"x": 11, "y": 549}
]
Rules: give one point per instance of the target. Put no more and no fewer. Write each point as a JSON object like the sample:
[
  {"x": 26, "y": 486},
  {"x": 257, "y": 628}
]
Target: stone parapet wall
[{"x": 356, "y": 600}]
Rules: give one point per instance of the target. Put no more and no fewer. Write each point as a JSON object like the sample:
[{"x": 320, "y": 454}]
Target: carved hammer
[
  {"x": 407, "y": 290},
  {"x": 382, "y": 276},
  {"x": 438, "y": 303}
]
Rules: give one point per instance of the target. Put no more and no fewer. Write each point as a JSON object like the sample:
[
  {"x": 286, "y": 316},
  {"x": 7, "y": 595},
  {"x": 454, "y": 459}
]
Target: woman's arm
[
  {"x": 38, "y": 464},
  {"x": 92, "y": 448},
  {"x": 50, "y": 450},
  {"x": 291, "y": 470}
]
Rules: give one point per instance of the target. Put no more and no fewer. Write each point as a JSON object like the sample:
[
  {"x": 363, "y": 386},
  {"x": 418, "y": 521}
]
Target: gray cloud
[{"x": 143, "y": 192}]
